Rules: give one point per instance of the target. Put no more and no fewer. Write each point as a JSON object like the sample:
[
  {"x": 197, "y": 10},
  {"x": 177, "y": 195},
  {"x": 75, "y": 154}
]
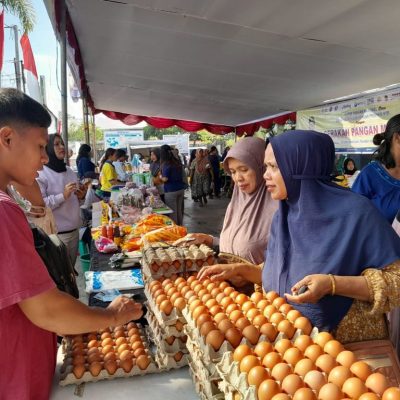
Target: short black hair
[
  {"x": 18, "y": 108},
  {"x": 120, "y": 153}
]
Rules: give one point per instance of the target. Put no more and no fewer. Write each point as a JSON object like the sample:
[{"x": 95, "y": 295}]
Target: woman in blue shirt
[
  {"x": 174, "y": 186},
  {"x": 380, "y": 179},
  {"x": 83, "y": 162}
]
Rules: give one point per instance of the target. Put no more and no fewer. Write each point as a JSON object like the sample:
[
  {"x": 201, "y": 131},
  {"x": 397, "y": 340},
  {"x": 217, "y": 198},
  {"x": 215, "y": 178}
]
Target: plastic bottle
[
  {"x": 110, "y": 232},
  {"x": 104, "y": 230},
  {"x": 117, "y": 236}
]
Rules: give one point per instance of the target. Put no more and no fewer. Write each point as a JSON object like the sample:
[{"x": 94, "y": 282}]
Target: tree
[
  {"x": 76, "y": 132},
  {"x": 23, "y": 10},
  {"x": 152, "y": 133}
]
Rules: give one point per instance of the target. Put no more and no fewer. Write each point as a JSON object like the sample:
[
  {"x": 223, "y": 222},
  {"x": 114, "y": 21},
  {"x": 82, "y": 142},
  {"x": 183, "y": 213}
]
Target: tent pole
[{"x": 64, "y": 109}]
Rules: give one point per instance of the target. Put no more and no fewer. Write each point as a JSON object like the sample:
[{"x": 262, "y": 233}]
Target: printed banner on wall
[{"x": 353, "y": 123}]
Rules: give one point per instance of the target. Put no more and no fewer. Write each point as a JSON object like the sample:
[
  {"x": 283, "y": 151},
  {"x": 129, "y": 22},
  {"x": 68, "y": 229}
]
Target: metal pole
[
  {"x": 86, "y": 121},
  {"x": 16, "y": 59},
  {"x": 94, "y": 140},
  {"x": 64, "y": 109},
  {"x": 23, "y": 77}
]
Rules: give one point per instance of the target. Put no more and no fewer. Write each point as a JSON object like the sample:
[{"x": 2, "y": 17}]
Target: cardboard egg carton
[
  {"x": 163, "y": 331},
  {"x": 162, "y": 318},
  {"x": 170, "y": 349},
  {"x": 166, "y": 361},
  {"x": 68, "y": 378},
  {"x": 206, "y": 390},
  {"x": 207, "y": 372},
  {"x": 229, "y": 392}
]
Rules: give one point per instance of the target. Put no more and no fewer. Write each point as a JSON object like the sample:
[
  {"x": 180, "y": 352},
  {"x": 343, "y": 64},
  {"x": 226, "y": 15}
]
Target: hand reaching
[
  {"x": 319, "y": 285},
  {"x": 125, "y": 310},
  {"x": 69, "y": 189},
  {"x": 224, "y": 272},
  {"x": 198, "y": 238}
]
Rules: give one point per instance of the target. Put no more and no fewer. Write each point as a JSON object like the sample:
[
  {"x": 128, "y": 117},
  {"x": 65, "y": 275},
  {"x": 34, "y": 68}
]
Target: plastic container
[
  {"x": 83, "y": 248},
  {"x": 85, "y": 262}
]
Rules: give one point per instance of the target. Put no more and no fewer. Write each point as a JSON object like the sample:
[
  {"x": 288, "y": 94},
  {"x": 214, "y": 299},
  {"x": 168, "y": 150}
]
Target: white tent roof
[{"x": 232, "y": 61}]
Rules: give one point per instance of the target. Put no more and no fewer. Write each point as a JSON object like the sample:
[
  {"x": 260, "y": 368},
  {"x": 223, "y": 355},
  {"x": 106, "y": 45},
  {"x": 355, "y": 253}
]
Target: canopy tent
[{"x": 226, "y": 62}]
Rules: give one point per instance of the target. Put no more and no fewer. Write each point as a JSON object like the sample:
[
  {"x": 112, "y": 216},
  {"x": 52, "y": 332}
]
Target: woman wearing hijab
[
  {"x": 60, "y": 190},
  {"x": 349, "y": 167},
  {"x": 351, "y": 281},
  {"x": 83, "y": 161},
  {"x": 200, "y": 177},
  {"x": 248, "y": 218},
  {"x": 379, "y": 181},
  {"x": 155, "y": 170}
]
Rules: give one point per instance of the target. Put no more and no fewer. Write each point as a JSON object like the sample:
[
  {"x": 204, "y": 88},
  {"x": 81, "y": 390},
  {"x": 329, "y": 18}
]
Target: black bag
[{"x": 54, "y": 254}]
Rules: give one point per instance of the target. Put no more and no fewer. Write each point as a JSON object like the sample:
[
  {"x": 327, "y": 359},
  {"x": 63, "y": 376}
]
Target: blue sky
[{"x": 45, "y": 48}]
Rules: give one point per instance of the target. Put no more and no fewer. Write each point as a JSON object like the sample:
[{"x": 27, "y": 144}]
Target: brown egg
[
  {"x": 256, "y": 297},
  {"x": 377, "y": 383},
  {"x": 259, "y": 320},
  {"x": 271, "y": 359},
  {"x": 133, "y": 331},
  {"x": 179, "y": 326},
  {"x": 361, "y": 369},
  {"x": 191, "y": 293},
  {"x": 206, "y": 328},
  {"x": 252, "y": 313},
  {"x": 271, "y": 296},
  {"x": 77, "y": 339},
  {"x": 269, "y": 310},
  {"x": 304, "y": 394},
  {"x": 323, "y": 338},
  {"x": 224, "y": 285},
  {"x": 278, "y": 302},
  {"x": 198, "y": 287},
  {"x": 198, "y": 311},
  {"x": 224, "y": 325},
  {"x": 233, "y": 336},
  {"x": 135, "y": 338},
  {"x": 179, "y": 303},
  {"x": 291, "y": 383},
  {"x": 203, "y": 318},
  {"x": 166, "y": 307},
  {"x": 178, "y": 356},
  {"x": 281, "y": 396},
  {"x": 267, "y": 389},
  {"x": 287, "y": 328},
  {"x": 127, "y": 365},
  {"x": 241, "y": 299},
  {"x": 369, "y": 396},
  {"x": 119, "y": 341},
  {"x": 325, "y": 363},
  {"x": 262, "y": 349},
  {"x": 285, "y": 308},
  {"x": 257, "y": 375},
  {"x": 303, "y": 324},
  {"x": 107, "y": 349},
  {"x": 333, "y": 348},
  {"x": 118, "y": 334},
  {"x": 214, "y": 293},
  {"x": 269, "y": 331},
  {"x": 262, "y": 304},
  {"x": 214, "y": 310},
  {"x": 241, "y": 323},
  {"x": 241, "y": 351},
  {"x": 393, "y": 393},
  {"x": 280, "y": 371},
  {"x": 107, "y": 341},
  {"x": 275, "y": 318},
  {"x": 315, "y": 380},
  {"x": 292, "y": 356},
  {"x": 282, "y": 345},
  {"x": 292, "y": 315},
  {"x": 143, "y": 362},
  {"x": 248, "y": 362},
  {"x": 95, "y": 368},
  {"x": 125, "y": 354},
  {"x": 226, "y": 301},
  {"x": 302, "y": 342},
  {"x": 93, "y": 343},
  {"x": 94, "y": 357},
  {"x": 219, "y": 317},
  {"x": 110, "y": 356},
  {"x": 227, "y": 290},
  {"x": 184, "y": 289},
  {"x": 303, "y": 366},
  {"x": 194, "y": 283},
  {"x": 179, "y": 280},
  {"x": 354, "y": 388},
  {"x": 191, "y": 279},
  {"x": 346, "y": 358},
  {"x": 232, "y": 307},
  {"x": 210, "y": 303},
  {"x": 170, "y": 339},
  {"x": 215, "y": 339},
  {"x": 247, "y": 306},
  {"x": 158, "y": 292},
  {"x": 105, "y": 335},
  {"x": 251, "y": 333},
  {"x": 92, "y": 336},
  {"x": 330, "y": 392},
  {"x": 339, "y": 375},
  {"x": 235, "y": 315},
  {"x": 313, "y": 352},
  {"x": 139, "y": 351},
  {"x": 110, "y": 366},
  {"x": 78, "y": 371}
]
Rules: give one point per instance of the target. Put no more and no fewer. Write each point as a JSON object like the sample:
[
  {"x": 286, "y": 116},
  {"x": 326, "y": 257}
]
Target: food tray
[
  {"x": 162, "y": 331},
  {"x": 207, "y": 390},
  {"x": 166, "y": 361},
  {"x": 166, "y": 348}
]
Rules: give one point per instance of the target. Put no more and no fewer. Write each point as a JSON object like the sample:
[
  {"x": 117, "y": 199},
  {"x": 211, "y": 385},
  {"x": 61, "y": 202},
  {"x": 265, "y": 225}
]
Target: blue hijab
[{"x": 321, "y": 228}]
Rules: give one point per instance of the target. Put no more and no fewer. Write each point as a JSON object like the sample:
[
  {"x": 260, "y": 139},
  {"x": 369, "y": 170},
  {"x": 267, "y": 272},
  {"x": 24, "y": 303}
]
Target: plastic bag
[{"x": 105, "y": 245}]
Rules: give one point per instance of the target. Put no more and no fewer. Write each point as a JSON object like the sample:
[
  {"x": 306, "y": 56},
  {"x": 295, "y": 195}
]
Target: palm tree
[{"x": 23, "y": 9}]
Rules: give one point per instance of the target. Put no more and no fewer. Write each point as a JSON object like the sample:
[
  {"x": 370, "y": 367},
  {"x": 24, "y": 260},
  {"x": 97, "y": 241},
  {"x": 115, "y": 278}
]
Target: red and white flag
[
  {"x": 1, "y": 39},
  {"x": 31, "y": 75}
]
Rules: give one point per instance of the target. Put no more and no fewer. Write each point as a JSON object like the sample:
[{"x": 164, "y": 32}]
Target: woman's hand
[
  {"x": 69, "y": 189},
  {"x": 124, "y": 310},
  {"x": 319, "y": 285},
  {"x": 194, "y": 238},
  {"x": 236, "y": 273}
]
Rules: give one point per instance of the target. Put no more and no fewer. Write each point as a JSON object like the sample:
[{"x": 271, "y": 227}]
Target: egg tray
[
  {"x": 164, "y": 347},
  {"x": 205, "y": 389},
  {"x": 163, "y": 331},
  {"x": 166, "y": 362},
  {"x": 68, "y": 378},
  {"x": 162, "y": 318},
  {"x": 229, "y": 391},
  {"x": 207, "y": 371}
]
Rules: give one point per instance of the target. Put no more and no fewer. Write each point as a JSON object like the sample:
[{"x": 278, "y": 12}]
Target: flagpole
[{"x": 16, "y": 59}]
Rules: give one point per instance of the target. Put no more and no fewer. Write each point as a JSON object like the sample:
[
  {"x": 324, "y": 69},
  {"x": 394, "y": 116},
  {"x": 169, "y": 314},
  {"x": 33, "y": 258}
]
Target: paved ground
[{"x": 207, "y": 219}]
